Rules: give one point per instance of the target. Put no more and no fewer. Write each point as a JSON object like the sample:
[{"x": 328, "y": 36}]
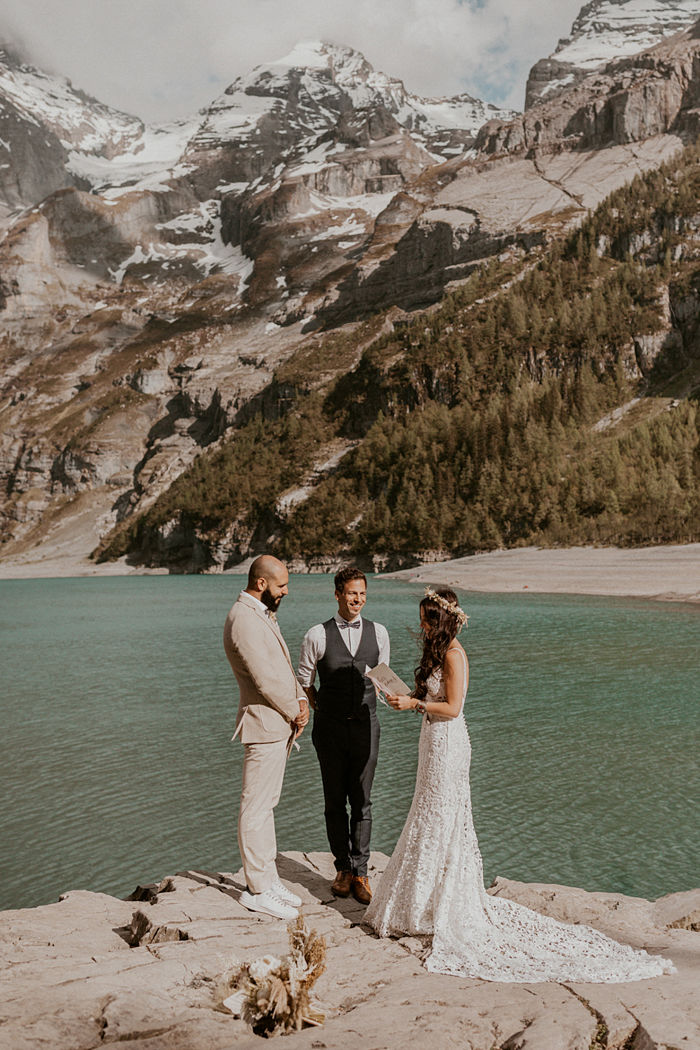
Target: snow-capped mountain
[
  {"x": 155, "y": 282},
  {"x": 224, "y": 233},
  {"x": 323, "y": 81},
  {"x": 605, "y": 30},
  {"x": 318, "y": 139},
  {"x": 42, "y": 119},
  {"x": 81, "y": 122},
  {"x": 53, "y": 135}
]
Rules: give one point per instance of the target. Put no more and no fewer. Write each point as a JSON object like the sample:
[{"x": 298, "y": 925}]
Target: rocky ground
[{"x": 93, "y": 970}]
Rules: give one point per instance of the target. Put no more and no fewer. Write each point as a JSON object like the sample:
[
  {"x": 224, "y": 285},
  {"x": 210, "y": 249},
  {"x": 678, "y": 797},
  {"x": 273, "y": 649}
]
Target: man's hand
[{"x": 302, "y": 718}]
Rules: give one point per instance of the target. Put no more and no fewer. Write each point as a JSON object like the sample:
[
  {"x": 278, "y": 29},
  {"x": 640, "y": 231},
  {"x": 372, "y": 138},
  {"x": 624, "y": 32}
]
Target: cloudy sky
[{"x": 162, "y": 59}]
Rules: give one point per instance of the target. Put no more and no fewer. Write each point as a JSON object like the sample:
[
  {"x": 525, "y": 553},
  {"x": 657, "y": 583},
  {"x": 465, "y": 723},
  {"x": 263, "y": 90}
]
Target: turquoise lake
[{"x": 118, "y": 706}]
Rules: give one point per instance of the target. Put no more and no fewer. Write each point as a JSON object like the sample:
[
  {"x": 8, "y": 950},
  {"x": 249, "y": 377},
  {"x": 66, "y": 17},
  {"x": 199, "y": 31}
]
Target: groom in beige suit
[{"x": 273, "y": 710}]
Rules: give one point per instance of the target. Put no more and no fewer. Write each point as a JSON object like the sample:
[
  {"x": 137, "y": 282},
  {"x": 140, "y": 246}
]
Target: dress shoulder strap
[{"x": 464, "y": 663}]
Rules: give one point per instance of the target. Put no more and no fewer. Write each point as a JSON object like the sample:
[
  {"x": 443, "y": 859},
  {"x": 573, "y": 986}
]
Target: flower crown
[{"x": 450, "y": 607}]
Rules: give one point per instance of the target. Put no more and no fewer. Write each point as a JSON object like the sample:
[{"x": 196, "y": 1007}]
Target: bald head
[
  {"x": 263, "y": 567},
  {"x": 268, "y": 580}
]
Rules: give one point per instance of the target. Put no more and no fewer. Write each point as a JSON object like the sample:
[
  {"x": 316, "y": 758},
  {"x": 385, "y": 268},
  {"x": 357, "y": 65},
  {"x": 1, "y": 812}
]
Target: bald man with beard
[{"x": 272, "y": 711}]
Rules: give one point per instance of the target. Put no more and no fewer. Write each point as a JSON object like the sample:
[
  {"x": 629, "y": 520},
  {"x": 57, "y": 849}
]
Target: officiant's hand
[{"x": 401, "y": 702}]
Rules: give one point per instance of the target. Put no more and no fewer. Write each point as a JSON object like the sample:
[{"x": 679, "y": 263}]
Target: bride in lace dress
[{"x": 433, "y": 884}]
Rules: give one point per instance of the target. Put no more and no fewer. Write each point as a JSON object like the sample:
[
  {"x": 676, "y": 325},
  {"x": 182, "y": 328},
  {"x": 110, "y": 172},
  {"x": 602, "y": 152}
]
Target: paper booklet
[{"x": 386, "y": 681}]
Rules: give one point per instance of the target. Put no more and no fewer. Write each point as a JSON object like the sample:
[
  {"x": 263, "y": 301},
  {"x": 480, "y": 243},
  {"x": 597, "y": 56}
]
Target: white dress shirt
[
  {"x": 270, "y": 613},
  {"x": 313, "y": 647},
  {"x": 257, "y": 601}
]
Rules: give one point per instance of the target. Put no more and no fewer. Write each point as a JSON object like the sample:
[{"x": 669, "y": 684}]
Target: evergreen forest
[{"x": 551, "y": 399}]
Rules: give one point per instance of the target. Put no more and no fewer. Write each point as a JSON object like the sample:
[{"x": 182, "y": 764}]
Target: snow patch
[
  {"x": 232, "y": 187},
  {"x": 369, "y": 203},
  {"x": 151, "y": 160},
  {"x": 352, "y": 226},
  {"x": 618, "y": 28},
  {"x": 137, "y": 256},
  {"x": 207, "y": 254},
  {"x": 307, "y": 54},
  {"x": 51, "y": 102}
]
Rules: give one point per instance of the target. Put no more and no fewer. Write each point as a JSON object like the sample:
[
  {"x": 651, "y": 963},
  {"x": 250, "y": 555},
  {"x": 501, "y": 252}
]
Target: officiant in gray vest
[{"x": 346, "y": 728}]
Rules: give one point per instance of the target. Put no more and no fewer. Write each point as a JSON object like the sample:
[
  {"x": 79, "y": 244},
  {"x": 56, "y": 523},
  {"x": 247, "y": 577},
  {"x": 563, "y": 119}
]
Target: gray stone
[{"x": 70, "y": 981}]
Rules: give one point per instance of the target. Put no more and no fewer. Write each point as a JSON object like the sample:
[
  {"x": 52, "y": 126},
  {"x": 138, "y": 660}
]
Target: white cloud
[{"x": 164, "y": 58}]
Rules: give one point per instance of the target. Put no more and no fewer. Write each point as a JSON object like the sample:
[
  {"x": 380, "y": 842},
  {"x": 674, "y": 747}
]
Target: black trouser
[{"x": 347, "y": 751}]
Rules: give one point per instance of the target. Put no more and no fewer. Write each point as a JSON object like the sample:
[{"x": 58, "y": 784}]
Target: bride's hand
[{"x": 401, "y": 702}]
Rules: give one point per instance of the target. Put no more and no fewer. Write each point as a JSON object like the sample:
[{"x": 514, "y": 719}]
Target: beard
[{"x": 269, "y": 602}]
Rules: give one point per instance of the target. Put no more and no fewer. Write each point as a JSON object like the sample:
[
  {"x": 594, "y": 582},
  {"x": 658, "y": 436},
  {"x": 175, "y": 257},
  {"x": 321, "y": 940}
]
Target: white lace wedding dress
[{"x": 433, "y": 885}]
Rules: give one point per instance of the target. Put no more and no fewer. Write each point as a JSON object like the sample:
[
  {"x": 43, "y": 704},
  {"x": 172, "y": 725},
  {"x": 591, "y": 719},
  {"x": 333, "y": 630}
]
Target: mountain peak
[
  {"x": 605, "y": 30},
  {"x": 12, "y": 53},
  {"x": 318, "y": 81},
  {"x": 311, "y": 54},
  {"x": 347, "y": 67}
]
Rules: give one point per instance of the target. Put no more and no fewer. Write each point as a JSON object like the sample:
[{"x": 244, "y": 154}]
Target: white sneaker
[
  {"x": 269, "y": 903},
  {"x": 286, "y": 894}
]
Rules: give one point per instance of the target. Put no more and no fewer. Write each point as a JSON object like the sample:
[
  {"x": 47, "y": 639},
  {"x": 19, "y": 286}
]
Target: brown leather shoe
[
  {"x": 360, "y": 889},
  {"x": 342, "y": 884}
]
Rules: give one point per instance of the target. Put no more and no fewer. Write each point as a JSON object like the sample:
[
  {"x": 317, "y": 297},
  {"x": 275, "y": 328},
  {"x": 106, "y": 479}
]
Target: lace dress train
[{"x": 433, "y": 885}]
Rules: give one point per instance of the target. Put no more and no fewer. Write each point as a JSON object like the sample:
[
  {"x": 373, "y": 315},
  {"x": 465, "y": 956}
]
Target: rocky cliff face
[
  {"x": 152, "y": 280},
  {"x": 603, "y": 31},
  {"x": 629, "y": 100},
  {"x": 158, "y": 275},
  {"x": 525, "y": 176}
]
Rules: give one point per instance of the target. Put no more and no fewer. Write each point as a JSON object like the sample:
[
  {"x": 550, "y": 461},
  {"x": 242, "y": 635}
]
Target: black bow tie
[{"x": 355, "y": 624}]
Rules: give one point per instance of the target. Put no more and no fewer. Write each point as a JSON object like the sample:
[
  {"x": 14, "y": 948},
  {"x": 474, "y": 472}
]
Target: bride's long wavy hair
[{"x": 444, "y": 626}]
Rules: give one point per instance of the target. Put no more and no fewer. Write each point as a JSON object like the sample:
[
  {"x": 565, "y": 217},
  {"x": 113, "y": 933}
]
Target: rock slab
[{"x": 92, "y": 970}]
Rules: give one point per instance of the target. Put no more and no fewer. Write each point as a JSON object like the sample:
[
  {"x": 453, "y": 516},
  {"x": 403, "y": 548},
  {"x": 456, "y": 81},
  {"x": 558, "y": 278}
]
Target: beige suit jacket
[{"x": 259, "y": 658}]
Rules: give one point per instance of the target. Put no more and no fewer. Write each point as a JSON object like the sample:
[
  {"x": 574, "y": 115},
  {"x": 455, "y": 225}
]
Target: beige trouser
[{"x": 263, "y": 773}]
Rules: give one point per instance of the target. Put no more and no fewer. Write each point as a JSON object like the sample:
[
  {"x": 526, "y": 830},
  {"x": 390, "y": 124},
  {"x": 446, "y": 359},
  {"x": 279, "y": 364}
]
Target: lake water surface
[{"x": 118, "y": 706}]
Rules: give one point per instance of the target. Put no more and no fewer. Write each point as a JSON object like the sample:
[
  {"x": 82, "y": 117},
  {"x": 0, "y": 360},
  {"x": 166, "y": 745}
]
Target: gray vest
[{"x": 344, "y": 692}]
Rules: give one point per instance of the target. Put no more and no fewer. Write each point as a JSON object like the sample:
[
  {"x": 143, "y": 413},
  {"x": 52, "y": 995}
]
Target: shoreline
[
  {"x": 670, "y": 574},
  {"x": 70, "y": 567},
  {"x": 663, "y": 573}
]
